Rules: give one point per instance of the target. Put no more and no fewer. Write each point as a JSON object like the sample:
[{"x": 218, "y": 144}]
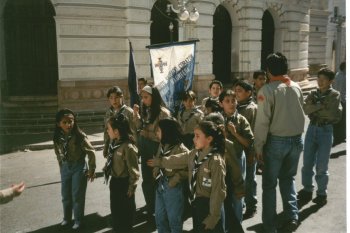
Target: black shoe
[
  {"x": 304, "y": 196},
  {"x": 249, "y": 213},
  {"x": 320, "y": 200},
  {"x": 289, "y": 226}
]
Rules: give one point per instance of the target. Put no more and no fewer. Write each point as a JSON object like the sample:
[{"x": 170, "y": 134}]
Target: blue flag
[
  {"x": 173, "y": 67},
  {"x": 132, "y": 79}
]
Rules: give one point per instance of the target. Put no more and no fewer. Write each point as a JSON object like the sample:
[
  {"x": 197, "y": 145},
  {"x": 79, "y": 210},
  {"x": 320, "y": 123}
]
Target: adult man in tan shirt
[{"x": 278, "y": 144}]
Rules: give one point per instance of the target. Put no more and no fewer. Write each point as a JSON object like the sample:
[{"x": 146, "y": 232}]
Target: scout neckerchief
[
  {"x": 231, "y": 118},
  {"x": 113, "y": 112},
  {"x": 285, "y": 79},
  {"x": 65, "y": 140},
  {"x": 113, "y": 146},
  {"x": 319, "y": 96},
  {"x": 145, "y": 119},
  {"x": 163, "y": 154},
  {"x": 243, "y": 105},
  {"x": 194, "y": 111},
  {"x": 195, "y": 169}
]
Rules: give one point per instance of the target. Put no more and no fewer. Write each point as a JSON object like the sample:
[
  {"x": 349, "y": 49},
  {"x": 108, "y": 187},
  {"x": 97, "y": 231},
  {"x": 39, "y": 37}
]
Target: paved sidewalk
[{"x": 39, "y": 209}]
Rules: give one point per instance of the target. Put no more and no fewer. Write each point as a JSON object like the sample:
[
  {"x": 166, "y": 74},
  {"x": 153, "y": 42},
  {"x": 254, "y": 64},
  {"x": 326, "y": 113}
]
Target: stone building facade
[{"x": 89, "y": 49}]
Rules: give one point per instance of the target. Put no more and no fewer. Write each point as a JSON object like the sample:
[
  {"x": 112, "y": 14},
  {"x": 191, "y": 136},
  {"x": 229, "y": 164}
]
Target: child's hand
[
  {"x": 231, "y": 127},
  {"x": 18, "y": 188},
  {"x": 130, "y": 193},
  {"x": 150, "y": 163},
  {"x": 136, "y": 109},
  {"x": 260, "y": 158},
  {"x": 91, "y": 175}
]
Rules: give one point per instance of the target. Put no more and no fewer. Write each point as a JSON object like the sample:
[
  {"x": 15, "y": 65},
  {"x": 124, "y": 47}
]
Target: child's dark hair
[
  {"x": 246, "y": 86},
  {"x": 215, "y": 82},
  {"x": 211, "y": 129},
  {"x": 215, "y": 117},
  {"x": 225, "y": 93},
  {"x": 75, "y": 130},
  {"x": 257, "y": 73},
  {"x": 172, "y": 133},
  {"x": 213, "y": 105},
  {"x": 155, "y": 105},
  {"x": 121, "y": 123},
  {"x": 326, "y": 72},
  {"x": 276, "y": 64},
  {"x": 342, "y": 66},
  {"x": 114, "y": 90},
  {"x": 188, "y": 95},
  {"x": 142, "y": 80}
]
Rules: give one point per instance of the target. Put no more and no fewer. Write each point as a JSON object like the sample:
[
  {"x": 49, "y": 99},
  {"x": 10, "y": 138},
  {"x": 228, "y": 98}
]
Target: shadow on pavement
[
  {"x": 93, "y": 223},
  {"x": 338, "y": 154},
  {"x": 305, "y": 213},
  {"x": 258, "y": 228},
  {"x": 20, "y": 142}
]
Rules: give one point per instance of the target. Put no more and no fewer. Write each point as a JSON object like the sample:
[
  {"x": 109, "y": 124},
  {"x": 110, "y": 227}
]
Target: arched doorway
[
  {"x": 31, "y": 51},
  {"x": 161, "y": 20},
  {"x": 222, "y": 44},
  {"x": 267, "y": 37}
]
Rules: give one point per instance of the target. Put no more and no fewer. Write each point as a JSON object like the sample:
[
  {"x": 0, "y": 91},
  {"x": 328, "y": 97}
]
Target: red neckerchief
[{"x": 283, "y": 79}]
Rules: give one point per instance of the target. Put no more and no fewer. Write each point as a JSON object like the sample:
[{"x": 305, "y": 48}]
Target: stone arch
[
  {"x": 271, "y": 37},
  {"x": 31, "y": 63},
  {"x": 222, "y": 29},
  {"x": 234, "y": 37},
  {"x": 160, "y": 21}
]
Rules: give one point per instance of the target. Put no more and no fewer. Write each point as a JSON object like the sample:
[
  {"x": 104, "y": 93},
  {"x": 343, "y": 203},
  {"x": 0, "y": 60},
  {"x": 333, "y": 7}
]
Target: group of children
[{"x": 202, "y": 157}]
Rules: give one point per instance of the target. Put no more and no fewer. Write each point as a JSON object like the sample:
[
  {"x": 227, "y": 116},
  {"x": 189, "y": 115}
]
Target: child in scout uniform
[
  {"x": 206, "y": 168},
  {"x": 212, "y": 106},
  {"x": 259, "y": 78},
  {"x": 71, "y": 147},
  {"x": 234, "y": 178},
  {"x": 116, "y": 100},
  {"x": 215, "y": 88},
  {"x": 238, "y": 131},
  {"x": 123, "y": 168},
  {"x": 170, "y": 199},
  {"x": 324, "y": 109},
  {"x": 248, "y": 108},
  {"x": 189, "y": 117},
  {"x": 146, "y": 118}
]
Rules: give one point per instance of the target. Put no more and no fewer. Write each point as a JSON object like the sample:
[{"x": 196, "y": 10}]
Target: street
[{"x": 39, "y": 208}]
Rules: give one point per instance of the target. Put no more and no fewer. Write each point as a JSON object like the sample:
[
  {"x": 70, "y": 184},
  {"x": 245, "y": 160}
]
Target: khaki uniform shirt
[
  {"x": 204, "y": 101},
  {"x": 249, "y": 112},
  {"x": 210, "y": 179},
  {"x": 328, "y": 111},
  {"x": 149, "y": 130},
  {"x": 234, "y": 169},
  {"x": 242, "y": 128},
  {"x": 189, "y": 119},
  {"x": 174, "y": 175},
  {"x": 77, "y": 152},
  {"x": 280, "y": 111},
  {"x": 128, "y": 112},
  {"x": 125, "y": 164}
]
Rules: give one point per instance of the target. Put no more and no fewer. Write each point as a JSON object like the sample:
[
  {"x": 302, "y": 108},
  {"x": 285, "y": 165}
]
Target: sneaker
[
  {"x": 320, "y": 200},
  {"x": 289, "y": 226},
  {"x": 76, "y": 226},
  {"x": 64, "y": 223},
  {"x": 249, "y": 213}
]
